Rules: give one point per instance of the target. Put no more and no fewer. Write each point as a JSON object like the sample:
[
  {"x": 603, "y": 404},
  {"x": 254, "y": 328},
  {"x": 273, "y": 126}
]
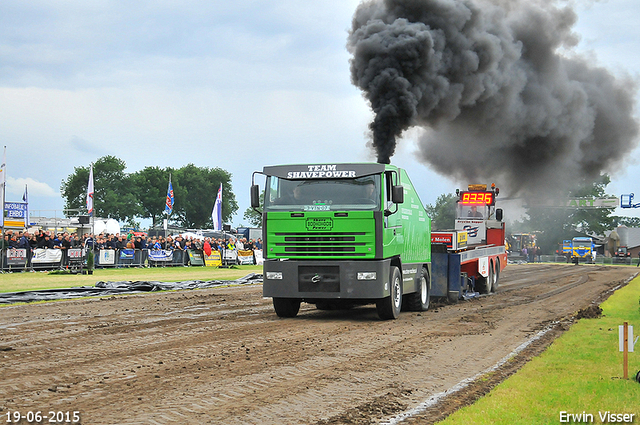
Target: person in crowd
[
  {"x": 89, "y": 241},
  {"x": 258, "y": 243},
  {"x": 23, "y": 243},
  {"x": 33, "y": 241},
  {"x": 188, "y": 245},
  {"x": 46, "y": 243},
  {"x": 5, "y": 241},
  {"x": 239, "y": 245}
]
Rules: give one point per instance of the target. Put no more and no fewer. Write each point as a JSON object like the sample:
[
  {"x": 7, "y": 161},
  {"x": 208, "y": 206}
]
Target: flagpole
[{"x": 3, "y": 169}]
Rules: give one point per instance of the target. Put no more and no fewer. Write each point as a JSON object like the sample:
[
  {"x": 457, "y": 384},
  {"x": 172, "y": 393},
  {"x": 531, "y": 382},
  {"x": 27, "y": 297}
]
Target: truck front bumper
[{"x": 343, "y": 279}]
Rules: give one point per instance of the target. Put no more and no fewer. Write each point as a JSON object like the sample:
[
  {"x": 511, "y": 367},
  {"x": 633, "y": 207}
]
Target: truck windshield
[
  {"x": 361, "y": 193},
  {"x": 474, "y": 212}
]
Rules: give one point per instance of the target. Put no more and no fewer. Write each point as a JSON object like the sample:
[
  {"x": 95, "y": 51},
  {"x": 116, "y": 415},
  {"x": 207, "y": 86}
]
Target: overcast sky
[{"x": 236, "y": 85}]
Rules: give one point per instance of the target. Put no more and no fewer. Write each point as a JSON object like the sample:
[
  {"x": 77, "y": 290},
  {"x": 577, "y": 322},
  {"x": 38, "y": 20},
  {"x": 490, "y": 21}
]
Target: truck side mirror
[
  {"x": 255, "y": 196},
  {"x": 397, "y": 194},
  {"x": 499, "y": 214}
]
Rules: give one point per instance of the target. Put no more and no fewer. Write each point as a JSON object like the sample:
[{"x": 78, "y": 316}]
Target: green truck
[{"x": 338, "y": 235}]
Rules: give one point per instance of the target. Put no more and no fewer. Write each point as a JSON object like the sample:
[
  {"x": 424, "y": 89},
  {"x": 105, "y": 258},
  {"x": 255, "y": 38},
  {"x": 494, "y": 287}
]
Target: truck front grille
[{"x": 327, "y": 244}]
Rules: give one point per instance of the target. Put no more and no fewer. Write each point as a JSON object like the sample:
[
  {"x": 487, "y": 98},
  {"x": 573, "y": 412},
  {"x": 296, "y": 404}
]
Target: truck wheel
[
  {"x": 419, "y": 301},
  {"x": 286, "y": 307},
  {"x": 496, "y": 276},
  {"x": 389, "y": 307}
]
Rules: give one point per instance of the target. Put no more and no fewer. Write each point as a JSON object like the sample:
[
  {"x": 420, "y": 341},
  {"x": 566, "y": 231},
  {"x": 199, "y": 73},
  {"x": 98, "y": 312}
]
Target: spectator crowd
[{"x": 65, "y": 241}]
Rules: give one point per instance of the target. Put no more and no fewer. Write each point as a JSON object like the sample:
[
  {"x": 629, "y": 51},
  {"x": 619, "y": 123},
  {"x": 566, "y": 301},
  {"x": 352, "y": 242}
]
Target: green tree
[
  {"x": 628, "y": 221},
  {"x": 113, "y": 190},
  {"x": 195, "y": 190},
  {"x": 151, "y": 185},
  {"x": 554, "y": 225},
  {"x": 443, "y": 213},
  {"x": 255, "y": 217}
]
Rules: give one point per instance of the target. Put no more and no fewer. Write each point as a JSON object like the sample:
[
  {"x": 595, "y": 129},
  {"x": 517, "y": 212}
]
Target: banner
[
  {"x": 160, "y": 255},
  {"x": 90, "y": 192},
  {"x": 42, "y": 255},
  {"x": 213, "y": 260},
  {"x": 75, "y": 254},
  {"x": 245, "y": 257},
  {"x": 25, "y": 199},
  {"x": 16, "y": 257},
  {"x": 168, "y": 204},
  {"x": 258, "y": 255},
  {"x": 195, "y": 258},
  {"x": 127, "y": 254},
  {"x": 216, "y": 214},
  {"x": 16, "y": 209},
  {"x": 107, "y": 257},
  {"x": 230, "y": 256}
]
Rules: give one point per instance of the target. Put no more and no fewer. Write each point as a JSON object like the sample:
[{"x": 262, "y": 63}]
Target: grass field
[
  {"x": 581, "y": 372},
  {"x": 28, "y": 281}
]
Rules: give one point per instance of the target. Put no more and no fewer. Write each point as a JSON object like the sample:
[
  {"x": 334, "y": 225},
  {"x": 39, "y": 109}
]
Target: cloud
[{"x": 15, "y": 186}]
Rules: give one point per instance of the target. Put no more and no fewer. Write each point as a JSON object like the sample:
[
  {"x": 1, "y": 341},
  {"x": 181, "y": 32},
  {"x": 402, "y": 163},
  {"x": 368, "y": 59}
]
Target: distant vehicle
[
  {"x": 516, "y": 242},
  {"x": 250, "y": 232},
  {"x": 582, "y": 249},
  {"x": 622, "y": 254}
]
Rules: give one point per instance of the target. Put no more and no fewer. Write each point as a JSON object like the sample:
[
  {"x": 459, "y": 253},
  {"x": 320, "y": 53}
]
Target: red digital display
[{"x": 476, "y": 198}]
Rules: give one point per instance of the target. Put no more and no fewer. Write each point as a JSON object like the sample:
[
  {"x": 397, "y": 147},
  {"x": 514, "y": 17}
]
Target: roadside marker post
[{"x": 625, "y": 344}]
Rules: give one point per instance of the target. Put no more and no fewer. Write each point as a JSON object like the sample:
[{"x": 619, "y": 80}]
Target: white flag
[
  {"x": 216, "y": 214},
  {"x": 90, "y": 192}
]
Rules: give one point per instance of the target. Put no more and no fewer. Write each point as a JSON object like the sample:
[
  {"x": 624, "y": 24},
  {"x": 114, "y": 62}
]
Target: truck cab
[{"x": 337, "y": 235}]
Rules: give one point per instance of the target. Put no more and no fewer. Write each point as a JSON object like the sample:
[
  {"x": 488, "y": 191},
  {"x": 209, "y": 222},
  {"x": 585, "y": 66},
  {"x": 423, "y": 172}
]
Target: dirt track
[{"x": 222, "y": 356}]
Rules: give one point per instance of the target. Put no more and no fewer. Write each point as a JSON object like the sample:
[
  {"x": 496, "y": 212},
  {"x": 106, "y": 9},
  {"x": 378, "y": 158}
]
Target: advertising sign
[
  {"x": 161, "y": 255},
  {"x": 16, "y": 256},
  {"x": 42, "y": 255},
  {"x": 195, "y": 257},
  {"x": 107, "y": 257},
  {"x": 213, "y": 260}
]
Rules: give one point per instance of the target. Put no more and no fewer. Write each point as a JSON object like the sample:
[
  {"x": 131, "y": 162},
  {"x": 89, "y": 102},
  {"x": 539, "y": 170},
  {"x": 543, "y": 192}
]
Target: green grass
[
  {"x": 28, "y": 281},
  {"x": 580, "y": 372}
]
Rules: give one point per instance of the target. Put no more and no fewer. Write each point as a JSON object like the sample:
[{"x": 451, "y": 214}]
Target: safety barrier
[{"x": 15, "y": 259}]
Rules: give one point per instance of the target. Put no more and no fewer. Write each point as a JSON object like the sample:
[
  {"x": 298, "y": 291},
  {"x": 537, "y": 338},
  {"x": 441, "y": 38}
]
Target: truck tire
[
  {"x": 496, "y": 276},
  {"x": 286, "y": 307},
  {"x": 419, "y": 301},
  {"x": 389, "y": 307}
]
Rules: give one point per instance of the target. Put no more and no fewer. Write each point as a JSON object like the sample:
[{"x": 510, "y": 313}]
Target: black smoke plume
[{"x": 496, "y": 88}]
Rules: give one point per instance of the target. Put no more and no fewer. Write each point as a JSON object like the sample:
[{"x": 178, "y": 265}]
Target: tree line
[{"x": 142, "y": 194}]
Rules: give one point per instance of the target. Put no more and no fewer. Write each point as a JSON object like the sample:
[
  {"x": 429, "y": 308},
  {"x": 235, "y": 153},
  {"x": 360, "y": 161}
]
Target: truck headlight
[
  {"x": 367, "y": 276},
  {"x": 274, "y": 275}
]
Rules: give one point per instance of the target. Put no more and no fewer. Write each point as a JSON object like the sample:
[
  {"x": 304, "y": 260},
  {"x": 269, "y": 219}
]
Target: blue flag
[
  {"x": 216, "y": 214},
  {"x": 168, "y": 207}
]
